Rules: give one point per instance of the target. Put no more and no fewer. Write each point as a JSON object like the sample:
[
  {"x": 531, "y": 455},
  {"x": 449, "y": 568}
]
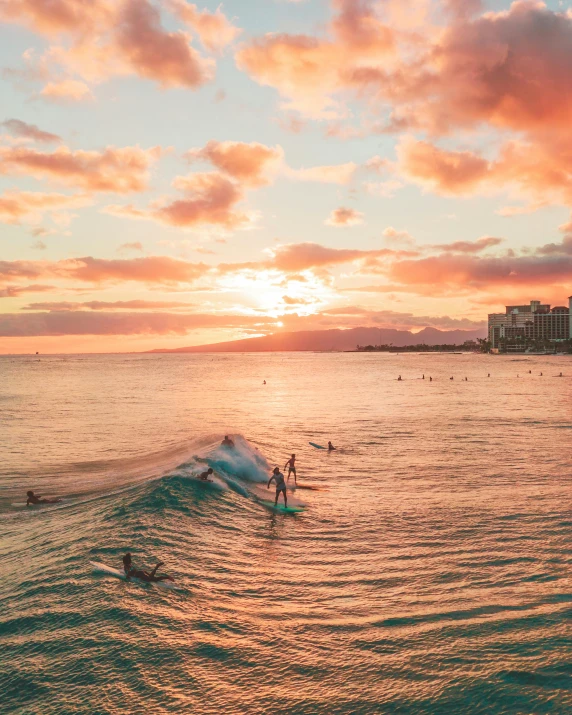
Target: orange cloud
[
  {"x": 66, "y": 90},
  {"x": 118, "y": 170},
  {"x": 336, "y": 174},
  {"x": 17, "y": 206},
  {"x": 345, "y": 217},
  {"x": 99, "y": 305},
  {"x": 214, "y": 28},
  {"x": 149, "y": 270},
  {"x": 247, "y": 163},
  {"x": 14, "y": 291},
  {"x": 295, "y": 257},
  {"x": 537, "y": 171},
  {"x": 309, "y": 71}
]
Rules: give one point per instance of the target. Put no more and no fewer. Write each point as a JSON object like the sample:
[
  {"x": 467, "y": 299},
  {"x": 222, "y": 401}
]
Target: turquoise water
[{"x": 430, "y": 575}]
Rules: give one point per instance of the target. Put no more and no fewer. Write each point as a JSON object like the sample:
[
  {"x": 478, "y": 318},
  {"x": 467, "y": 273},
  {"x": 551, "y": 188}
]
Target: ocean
[{"x": 429, "y": 574}]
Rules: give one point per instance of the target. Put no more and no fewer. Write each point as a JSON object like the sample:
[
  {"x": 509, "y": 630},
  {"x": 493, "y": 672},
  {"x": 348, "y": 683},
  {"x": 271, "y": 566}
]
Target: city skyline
[{"x": 177, "y": 174}]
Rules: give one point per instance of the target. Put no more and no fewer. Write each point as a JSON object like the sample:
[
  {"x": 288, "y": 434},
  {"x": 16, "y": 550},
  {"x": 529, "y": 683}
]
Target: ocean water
[{"x": 430, "y": 575}]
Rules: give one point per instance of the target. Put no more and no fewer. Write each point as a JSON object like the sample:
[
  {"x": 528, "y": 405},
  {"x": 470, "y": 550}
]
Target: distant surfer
[
  {"x": 399, "y": 379},
  {"x": 331, "y": 447},
  {"x": 37, "y": 499},
  {"x": 264, "y": 382},
  {"x": 149, "y": 576},
  {"x": 291, "y": 464},
  {"x": 227, "y": 442},
  {"x": 204, "y": 477},
  {"x": 430, "y": 379},
  {"x": 278, "y": 477}
]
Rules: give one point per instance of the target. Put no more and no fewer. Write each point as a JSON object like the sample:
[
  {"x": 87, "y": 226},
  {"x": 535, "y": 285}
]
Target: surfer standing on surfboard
[
  {"x": 291, "y": 464},
  {"x": 150, "y": 577},
  {"x": 278, "y": 477}
]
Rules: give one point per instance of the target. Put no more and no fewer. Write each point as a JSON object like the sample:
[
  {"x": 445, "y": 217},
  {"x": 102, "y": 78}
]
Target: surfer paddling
[
  {"x": 204, "y": 476},
  {"x": 291, "y": 464},
  {"x": 36, "y": 499},
  {"x": 149, "y": 576},
  {"x": 278, "y": 477},
  {"x": 331, "y": 447},
  {"x": 227, "y": 442}
]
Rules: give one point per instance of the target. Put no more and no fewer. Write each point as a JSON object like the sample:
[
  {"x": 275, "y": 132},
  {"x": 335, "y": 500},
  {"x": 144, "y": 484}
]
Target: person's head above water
[
  {"x": 210, "y": 470},
  {"x": 226, "y": 436},
  {"x": 30, "y": 493},
  {"x": 127, "y": 558}
]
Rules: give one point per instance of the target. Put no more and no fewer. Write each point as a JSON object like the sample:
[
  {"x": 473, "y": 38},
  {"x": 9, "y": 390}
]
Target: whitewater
[{"x": 430, "y": 574}]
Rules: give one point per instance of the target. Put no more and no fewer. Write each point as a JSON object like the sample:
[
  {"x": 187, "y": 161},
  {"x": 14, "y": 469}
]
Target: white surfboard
[{"x": 110, "y": 571}]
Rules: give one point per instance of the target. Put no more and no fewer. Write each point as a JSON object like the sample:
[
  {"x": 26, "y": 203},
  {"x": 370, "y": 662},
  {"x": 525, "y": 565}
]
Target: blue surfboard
[{"x": 317, "y": 446}]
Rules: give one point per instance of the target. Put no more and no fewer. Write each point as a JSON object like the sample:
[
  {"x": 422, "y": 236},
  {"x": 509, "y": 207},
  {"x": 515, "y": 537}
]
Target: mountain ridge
[{"x": 335, "y": 339}]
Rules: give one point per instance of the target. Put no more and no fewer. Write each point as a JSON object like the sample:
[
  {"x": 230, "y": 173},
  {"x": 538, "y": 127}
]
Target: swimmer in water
[
  {"x": 291, "y": 464},
  {"x": 278, "y": 477},
  {"x": 331, "y": 447},
  {"x": 36, "y": 499},
  {"x": 204, "y": 477},
  {"x": 227, "y": 442},
  {"x": 430, "y": 379},
  {"x": 148, "y": 576},
  {"x": 399, "y": 379},
  {"x": 264, "y": 382}
]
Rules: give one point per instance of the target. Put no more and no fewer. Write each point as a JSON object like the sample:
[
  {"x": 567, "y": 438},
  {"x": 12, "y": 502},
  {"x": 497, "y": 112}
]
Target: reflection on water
[{"x": 431, "y": 577}]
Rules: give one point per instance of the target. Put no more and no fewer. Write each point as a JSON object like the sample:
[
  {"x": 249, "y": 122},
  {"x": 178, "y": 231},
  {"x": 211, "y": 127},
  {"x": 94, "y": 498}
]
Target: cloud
[
  {"x": 61, "y": 323},
  {"x": 18, "y": 206},
  {"x": 537, "y": 171},
  {"x": 460, "y": 273},
  {"x": 480, "y": 244},
  {"x": 99, "y": 305},
  {"x": 394, "y": 236},
  {"x": 214, "y": 28},
  {"x": 117, "y": 170},
  {"x": 29, "y": 131},
  {"x": 295, "y": 257},
  {"x": 345, "y": 217},
  {"x": 337, "y": 174},
  {"x": 131, "y": 246},
  {"x": 105, "y": 38},
  {"x": 150, "y": 270},
  {"x": 210, "y": 199},
  {"x": 249, "y": 164},
  {"x": 308, "y": 71},
  {"x": 66, "y": 90},
  {"x": 13, "y": 291},
  {"x": 151, "y": 52},
  {"x": 446, "y": 172}
]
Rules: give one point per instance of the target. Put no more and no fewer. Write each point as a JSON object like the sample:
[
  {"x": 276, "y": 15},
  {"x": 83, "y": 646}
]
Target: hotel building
[{"x": 523, "y": 324}]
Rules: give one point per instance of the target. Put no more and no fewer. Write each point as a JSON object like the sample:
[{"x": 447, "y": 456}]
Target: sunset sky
[{"x": 174, "y": 174}]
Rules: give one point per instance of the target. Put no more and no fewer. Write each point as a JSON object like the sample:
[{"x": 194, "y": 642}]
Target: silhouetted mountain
[{"x": 323, "y": 340}]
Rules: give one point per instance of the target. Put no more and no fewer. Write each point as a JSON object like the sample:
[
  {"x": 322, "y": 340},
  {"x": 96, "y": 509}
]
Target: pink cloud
[
  {"x": 249, "y": 164},
  {"x": 345, "y": 217},
  {"x": 165, "y": 57},
  {"x": 477, "y": 246},
  {"x": 29, "y": 131},
  {"x": 118, "y": 170},
  {"x": 14, "y": 291}
]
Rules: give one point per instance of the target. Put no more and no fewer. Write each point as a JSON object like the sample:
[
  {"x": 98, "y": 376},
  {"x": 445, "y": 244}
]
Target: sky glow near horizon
[{"x": 175, "y": 174}]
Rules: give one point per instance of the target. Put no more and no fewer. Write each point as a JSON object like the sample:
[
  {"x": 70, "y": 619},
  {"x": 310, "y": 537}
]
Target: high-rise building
[{"x": 523, "y": 324}]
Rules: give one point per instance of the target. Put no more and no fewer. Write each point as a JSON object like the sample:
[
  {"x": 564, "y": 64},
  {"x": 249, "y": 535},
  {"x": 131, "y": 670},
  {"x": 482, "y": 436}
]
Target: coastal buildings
[{"x": 526, "y": 326}]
